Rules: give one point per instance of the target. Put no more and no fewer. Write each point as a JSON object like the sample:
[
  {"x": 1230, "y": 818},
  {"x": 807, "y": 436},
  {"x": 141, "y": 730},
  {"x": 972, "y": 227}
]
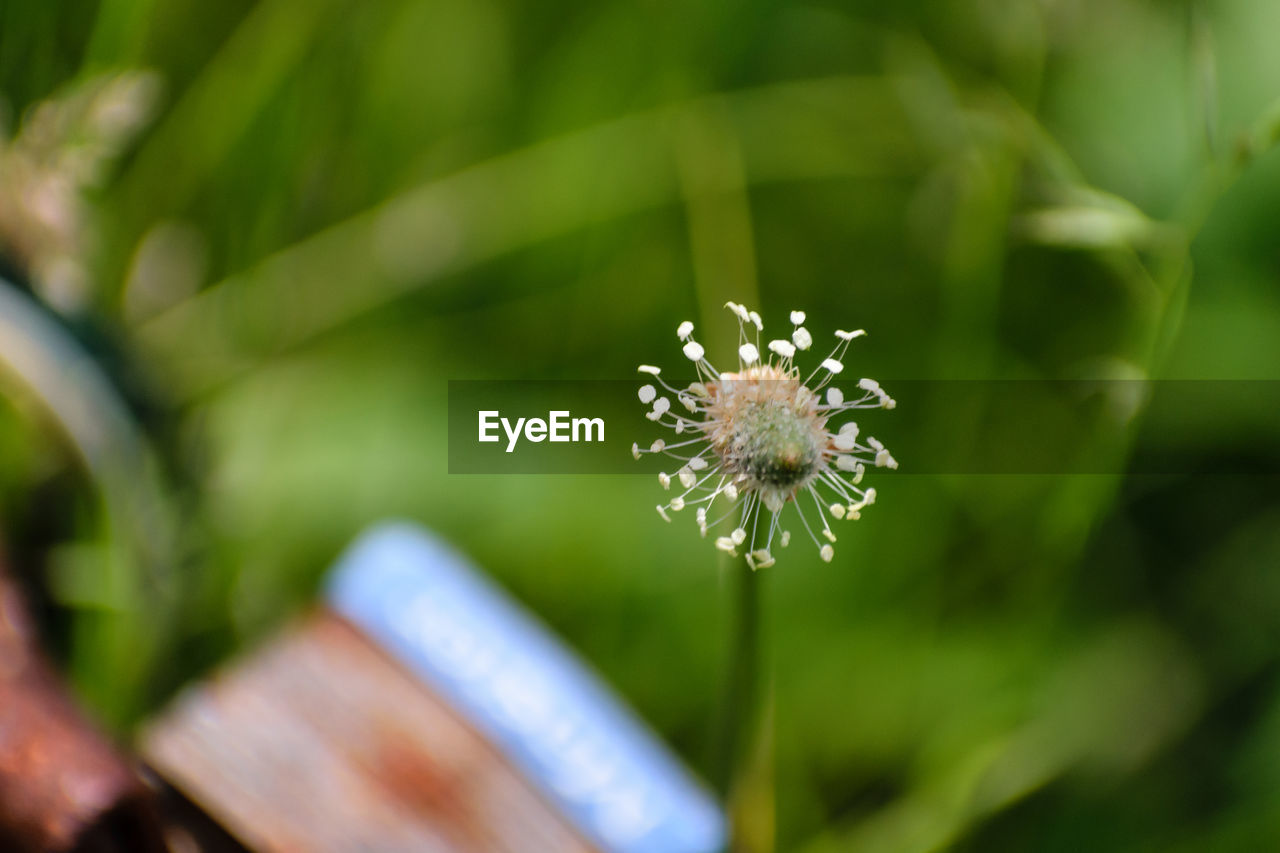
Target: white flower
[{"x": 760, "y": 439}]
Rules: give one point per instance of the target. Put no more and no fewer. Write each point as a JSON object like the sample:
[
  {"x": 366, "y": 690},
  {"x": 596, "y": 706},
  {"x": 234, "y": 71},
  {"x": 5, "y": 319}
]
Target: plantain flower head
[{"x": 751, "y": 443}]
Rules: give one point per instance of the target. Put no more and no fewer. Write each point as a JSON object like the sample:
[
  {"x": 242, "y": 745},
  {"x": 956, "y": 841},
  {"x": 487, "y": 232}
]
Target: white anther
[{"x": 786, "y": 349}]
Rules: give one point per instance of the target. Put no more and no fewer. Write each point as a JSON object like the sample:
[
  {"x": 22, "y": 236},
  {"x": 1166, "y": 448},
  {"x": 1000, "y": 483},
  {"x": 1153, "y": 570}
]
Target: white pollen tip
[
  {"x": 786, "y": 349},
  {"x": 738, "y": 536},
  {"x": 826, "y": 553},
  {"x": 693, "y": 351},
  {"x": 835, "y": 397},
  {"x": 883, "y": 459},
  {"x": 662, "y": 512},
  {"x": 697, "y": 463},
  {"x": 661, "y": 405},
  {"x": 684, "y": 330},
  {"x": 801, "y": 338},
  {"x": 677, "y": 504},
  {"x": 844, "y": 441},
  {"x": 724, "y": 543},
  {"x": 658, "y": 446},
  {"x": 832, "y": 365},
  {"x": 869, "y": 385},
  {"x": 664, "y": 479},
  {"x": 756, "y": 321},
  {"x": 846, "y": 463},
  {"x": 773, "y": 501},
  {"x": 889, "y": 403},
  {"x": 741, "y": 310},
  {"x": 731, "y": 492},
  {"x": 679, "y": 425},
  {"x": 647, "y": 393},
  {"x": 837, "y": 510},
  {"x": 869, "y": 498},
  {"x": 748, "y": 353},
  {"x": 786, "y": 538},
  {"x": 797, "y": 317},
  {"x": 827, "y": 533},
  {"x": 848, "y": 336},
  {"x": 649, "y": 369},
  {"x": 687, "y": 478},
  {"x": 688, "y": 402},
  {"x": 635, "y": 450}
]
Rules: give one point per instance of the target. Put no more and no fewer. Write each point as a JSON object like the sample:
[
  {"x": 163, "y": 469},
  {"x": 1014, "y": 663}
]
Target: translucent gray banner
[{"x": 937, "y": 427}]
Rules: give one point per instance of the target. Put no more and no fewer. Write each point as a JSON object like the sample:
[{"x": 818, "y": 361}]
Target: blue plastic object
[{"x": 526, "y": 691}]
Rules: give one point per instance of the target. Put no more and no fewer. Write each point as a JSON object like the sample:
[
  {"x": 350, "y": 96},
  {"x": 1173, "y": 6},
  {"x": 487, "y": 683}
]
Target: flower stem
[{"x": 746, "y": 735}]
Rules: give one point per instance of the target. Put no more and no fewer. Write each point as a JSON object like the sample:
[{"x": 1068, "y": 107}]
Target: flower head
[{"x": 753, "y": 441}]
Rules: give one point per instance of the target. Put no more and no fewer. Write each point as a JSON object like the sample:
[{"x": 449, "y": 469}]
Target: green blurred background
[{"x": 281, "y": 227}]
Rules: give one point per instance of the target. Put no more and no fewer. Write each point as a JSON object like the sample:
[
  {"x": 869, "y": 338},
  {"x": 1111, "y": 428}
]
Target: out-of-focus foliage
[{"x": 340, "y": 205}]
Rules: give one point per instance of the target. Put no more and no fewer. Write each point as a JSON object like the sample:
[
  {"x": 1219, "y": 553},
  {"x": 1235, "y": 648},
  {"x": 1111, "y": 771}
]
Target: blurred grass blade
[{"x": 847, "y": 126}]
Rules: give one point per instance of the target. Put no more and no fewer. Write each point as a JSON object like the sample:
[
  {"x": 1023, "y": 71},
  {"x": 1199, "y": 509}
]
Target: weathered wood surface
[{"x": 320, "y": 742}]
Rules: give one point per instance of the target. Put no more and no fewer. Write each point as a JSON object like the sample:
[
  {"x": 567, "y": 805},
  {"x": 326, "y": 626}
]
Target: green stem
[{"x": 745, "y": 771}]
